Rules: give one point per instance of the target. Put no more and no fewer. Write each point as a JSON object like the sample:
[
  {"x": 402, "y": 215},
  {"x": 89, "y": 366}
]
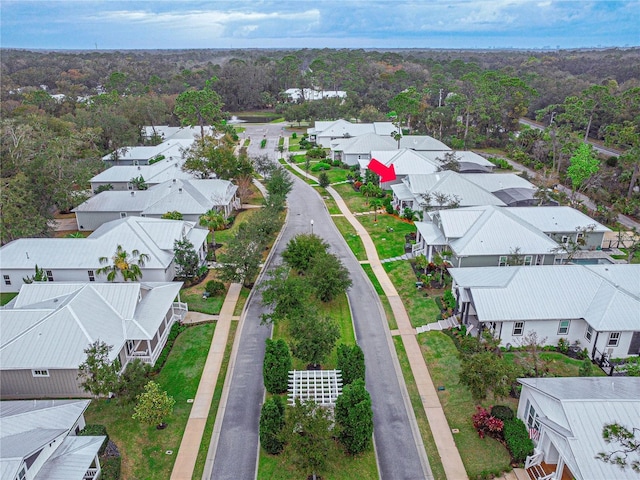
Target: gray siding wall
[
  {"x": 16, "y": 384},
  {"x": 90, "y": 221},
  {"x": 492, "y": 261},
  {"x": 593, "y": 240},
  {"x": 78, "y": 275}
]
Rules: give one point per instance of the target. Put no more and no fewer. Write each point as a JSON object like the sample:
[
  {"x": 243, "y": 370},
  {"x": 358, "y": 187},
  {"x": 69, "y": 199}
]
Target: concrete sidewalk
[
  {"x": 190, "y": 445},
  {"x": 449, "y": 455}
]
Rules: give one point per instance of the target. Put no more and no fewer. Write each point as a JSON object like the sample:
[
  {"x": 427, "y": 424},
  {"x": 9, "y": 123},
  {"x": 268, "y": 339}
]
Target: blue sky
[{"x": 86, "y": 24}]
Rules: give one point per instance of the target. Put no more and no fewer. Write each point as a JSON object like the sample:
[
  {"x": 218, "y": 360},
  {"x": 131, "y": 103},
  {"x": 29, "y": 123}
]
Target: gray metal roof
[
  {"x": 52, "y": 323},
  {"x": 556, "y": 219},
  {"x": 552, "y": 292},
  {"x": 513, "y": 196},
  {"x": 341, "y": 127},
  {"x": 574, "y": 411},
  {"x": 153, "y": 174},
  {"x": 172, "y": 147},
  {"x": 152, "y": 236},
  {"x": 499, "y": 181},
  {"x": 430, "y": 233},
  {"x": 461, "y": 155}
]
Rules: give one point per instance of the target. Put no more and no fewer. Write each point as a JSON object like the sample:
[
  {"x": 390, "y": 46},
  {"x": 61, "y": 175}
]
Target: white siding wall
[
  {"x": 90, "y": 221},
  {"x": 547, "y": 331}
]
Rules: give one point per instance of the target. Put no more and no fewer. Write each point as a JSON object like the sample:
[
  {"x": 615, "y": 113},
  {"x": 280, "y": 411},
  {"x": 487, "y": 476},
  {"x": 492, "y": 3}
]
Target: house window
[
  {"x": 563, "y": 327},
  {"x": 518, "y": 328},
  {"x": 589, "y": 333},
  {"x": 7, "y": 279},
  {"x": 533, "y": 420},
  {"x": 40, "y": 373},
  {"x": 614, "y": 338},
  {"x": 92, "y": 277},
  {"x": 528, "y": 259},
  {"x": 502, "y": 261},
  {"x": 22, "y": 474},
  {"x": 565, "y": 239},
  {"x": 123, "y": 214},
  {"x": 49, "y": 276}
]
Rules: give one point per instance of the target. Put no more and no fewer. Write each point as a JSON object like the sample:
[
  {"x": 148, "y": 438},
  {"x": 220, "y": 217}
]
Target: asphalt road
[{"x": 394, "y": 422}]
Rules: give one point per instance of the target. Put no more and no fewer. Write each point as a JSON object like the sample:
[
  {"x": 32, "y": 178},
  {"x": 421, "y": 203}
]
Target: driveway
[{"x": 395, "y": 429}]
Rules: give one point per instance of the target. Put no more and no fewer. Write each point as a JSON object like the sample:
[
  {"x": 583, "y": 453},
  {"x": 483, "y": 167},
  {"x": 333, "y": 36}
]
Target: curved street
[{"x": 397, "y": 441}]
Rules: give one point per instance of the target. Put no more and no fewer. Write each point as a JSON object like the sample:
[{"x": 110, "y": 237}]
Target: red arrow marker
[{"x": 387, "y": 174}]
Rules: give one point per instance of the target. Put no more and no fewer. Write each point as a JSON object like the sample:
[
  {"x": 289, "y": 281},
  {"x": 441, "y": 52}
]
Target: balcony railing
[{"x": 90, "y": 474}]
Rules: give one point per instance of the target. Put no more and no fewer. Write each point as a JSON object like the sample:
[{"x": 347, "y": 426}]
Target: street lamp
[{"x": 311, "y": 226}]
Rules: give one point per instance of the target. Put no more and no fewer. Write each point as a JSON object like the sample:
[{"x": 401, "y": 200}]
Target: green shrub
[
  {"x": 176, "y": 329},
  {"x": 271, "y": 425},
  {"x": 323, "y": 180},
  {"x": 110, "y": 468},
  {"x": 390, "y": 210},
  {"x": 263, "y": 143},
  {"x": 586, "y": 368},
  {"x": 276, "y": 366},
  {"x": 449, "y": 300},
  {"x": 320, "y": 166},
  {"x": 502, "y": 412},
  {"x": 316, "y": 152},
  {"x": 517, "y": 439},
  {"x": 214, "y": 288},
  {"x": 96, "y": 430},
  {"x": 351, "y": 363},
  {"x": 294, "y": 135}
]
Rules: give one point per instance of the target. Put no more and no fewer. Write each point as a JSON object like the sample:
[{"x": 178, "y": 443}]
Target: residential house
[
  {"x": 422, "y": 192},
  {"x": 191, "y": 198},
  {"x": 120, "y": 177},
  {"x": 77, "y": 259},
  {"x": 172, "y": 149},
  {"x": 512, "y": 189},
  {"x": 594, "y": 306},
  {"x": 405, "y": 162},
  {"x": 165, "y": 132},
  {"x": 565, "y": 418},
  {"x": 564, "y": 224},
  {"x": 423, "y": 143},
  {"x": 325, "y": 132},
  {"x": 468, "y": 162},
  {"x": 39, "y": 440},
  {"x": 484, "y": 235},
  {"x": 310, "y": 94},
  {"x": 48, "y": 326},
  {"x": 354, "y": 150}
]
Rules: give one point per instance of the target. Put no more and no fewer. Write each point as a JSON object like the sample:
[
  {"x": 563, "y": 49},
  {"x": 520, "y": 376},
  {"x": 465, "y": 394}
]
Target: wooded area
[{"x": 51, "y": 146}]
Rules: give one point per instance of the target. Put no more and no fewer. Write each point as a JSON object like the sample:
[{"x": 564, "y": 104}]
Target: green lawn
[
  {"x": 389, "y": 244},
  {"x": 223, "y": 236},
  {"x": 242, "y": 299},
  {"x": 331, "y": 204},
  {"x": 351, "y": 237},
  {"x": 391, "y": 319},
  {"x": 559, "y": 365},
  {"x": 421, "y": 417},
  {"x": 6, "y": 297},
  {"x": 354, "y": 200},
  {"x": 143, "y": 447},
  {"x": 478, "y": 454},
  {"x": 420, "y": 308},
  {"x": 336, "y": 174}
]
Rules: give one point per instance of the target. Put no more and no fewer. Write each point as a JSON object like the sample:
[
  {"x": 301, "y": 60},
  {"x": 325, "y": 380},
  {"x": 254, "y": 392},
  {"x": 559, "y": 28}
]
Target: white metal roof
[
  {"x": 574, "y": 411},
  {"x": 473, "y": 231},
  {"x": 463, "y": 156},
  {"x": 152, "y": 236},
  {"x": 366, "y": 143},
  {"x": 72, "y": 459},
  {"x": 171, "y": 147},
  {"x": 452, "y": 184},
  {"x": 431, "y": 233},
  {"x": 155, "y": 173},
  {"x": 185, "y": 196},
  {"x": 555, "y": 292},
  {"x": 422, "y": 143},
  {"x": 552, "y": 219},
  {"x": 405, "y": 161},
  {"x": 401, "y": 191},
  {"x": 344, "y": 128},
  {"x": 50, "y": 326}
]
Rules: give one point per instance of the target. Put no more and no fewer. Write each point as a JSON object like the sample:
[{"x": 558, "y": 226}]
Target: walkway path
[
  {"x": 190, "y": 445},
  {"x": 449, "y": 455}
]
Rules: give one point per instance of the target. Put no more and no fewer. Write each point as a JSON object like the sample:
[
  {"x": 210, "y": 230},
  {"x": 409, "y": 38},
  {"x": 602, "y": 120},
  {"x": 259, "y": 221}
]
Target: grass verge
[
  {"x": 559, "y": 365},
  {"x": 420, "y": 308},
  {"x": 421, "y": 417},
  {"x": 354, "y": 200},
  {"x": 391, "y": 319},
  {"x": 351, "y": 237},
  {"x": 6, "y": 297},
  {"x": 143, "y": 447}
]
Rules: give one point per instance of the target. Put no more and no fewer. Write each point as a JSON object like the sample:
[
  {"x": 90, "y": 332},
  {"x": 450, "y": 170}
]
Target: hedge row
[{"x": 517, "y": 439}]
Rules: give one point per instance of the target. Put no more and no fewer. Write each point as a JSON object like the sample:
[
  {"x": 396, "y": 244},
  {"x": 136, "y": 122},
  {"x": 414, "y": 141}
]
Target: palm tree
[
  {"x": 213, "y": 220},
  {"x": 124, "y": 264}
]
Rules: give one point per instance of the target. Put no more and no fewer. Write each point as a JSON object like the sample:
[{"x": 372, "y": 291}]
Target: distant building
[{"x": 310, "y": 94}]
